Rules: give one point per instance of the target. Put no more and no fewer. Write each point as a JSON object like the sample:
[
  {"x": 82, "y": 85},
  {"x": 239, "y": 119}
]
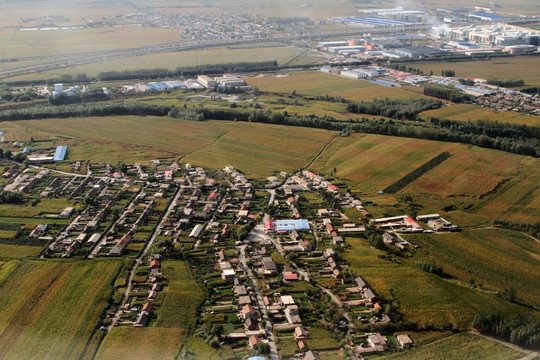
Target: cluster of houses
[
  {"x": 152, "y": 286},
  {"x": 25, "y": 181},
  {"x": 83, "y": 230}
]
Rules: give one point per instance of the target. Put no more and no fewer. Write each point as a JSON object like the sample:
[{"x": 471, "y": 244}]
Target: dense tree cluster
[
  {"x": 429, "y": 267},
  {"x": 520, "y": 330},
  {"x": 448, "y": 73},
  {"x": 447, "y": 93},
  {"x": 401, "y": 109},
  {"x": 532, "y": 90},
  {"x": 506, "y": 82}
]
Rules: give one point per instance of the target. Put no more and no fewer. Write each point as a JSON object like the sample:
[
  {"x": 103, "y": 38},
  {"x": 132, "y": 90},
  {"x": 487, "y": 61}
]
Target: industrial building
[
  {"x": 206, "y": 81},
  {"x": 495, "y": 35},
  {"x": 290, "y": 225}
]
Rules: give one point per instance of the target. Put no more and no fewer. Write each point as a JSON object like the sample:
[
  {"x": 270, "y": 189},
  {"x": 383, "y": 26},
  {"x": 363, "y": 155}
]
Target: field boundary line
[{"x": 319, "y": 153}]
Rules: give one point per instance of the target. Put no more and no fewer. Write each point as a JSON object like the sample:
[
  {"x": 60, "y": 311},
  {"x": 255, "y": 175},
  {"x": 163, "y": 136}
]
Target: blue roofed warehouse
[{"x": 60, "y": 153}]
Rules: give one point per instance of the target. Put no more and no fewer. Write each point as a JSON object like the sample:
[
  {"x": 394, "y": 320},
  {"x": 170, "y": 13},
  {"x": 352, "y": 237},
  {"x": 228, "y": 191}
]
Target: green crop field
[
  {"x": 467, "y": 112},
  {"x": 183, "y": 297},
  {"x": 498, "y": 259},
  {"x": 525, "y": 67},
  {"x": 423, "y": 297},
  {"x": 50, "y": 309},
  {"x": 19, "y": 251},
  {"x": 127, "y": 343},
  {"x": 464, "y": 346},
  {"x": 45, "y": 206},
  {"x": 318, "y": 83}
]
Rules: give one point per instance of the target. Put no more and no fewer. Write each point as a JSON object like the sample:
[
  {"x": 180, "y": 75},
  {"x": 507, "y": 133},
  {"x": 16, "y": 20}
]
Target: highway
[{"x": 80, "y": 58}]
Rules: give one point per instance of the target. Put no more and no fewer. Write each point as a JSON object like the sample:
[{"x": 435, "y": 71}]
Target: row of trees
[
  {"x": 520, "y": 330},
  {"x": 402, "y": 109},
  {"x": 530, "y": 228},
  {"x": 161, "y": 73},
  {"x": 506, "y": 82},
  {"x": 416, "y": 173}
]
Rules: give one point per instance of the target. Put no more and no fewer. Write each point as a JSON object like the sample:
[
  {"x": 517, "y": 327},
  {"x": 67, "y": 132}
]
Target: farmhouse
[
  {"x": 142, "y": 319},
  {"x": 404, "y": 340}
]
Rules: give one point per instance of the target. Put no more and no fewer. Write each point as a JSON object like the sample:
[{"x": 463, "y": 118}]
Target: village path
[
  {"x": 149, "y": 243},
  {"x": 255, "y": 287}
]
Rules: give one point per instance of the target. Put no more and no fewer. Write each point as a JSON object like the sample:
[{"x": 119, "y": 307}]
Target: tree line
[
  {"x": 401, "y": 109},
  {"x": 162, "y": 73},
  {"x": 520, "y": 330},
  {"x": 506, "y": 82},
  {"x": 416, "y": 173},
  {"x": 518, "y": 139}
]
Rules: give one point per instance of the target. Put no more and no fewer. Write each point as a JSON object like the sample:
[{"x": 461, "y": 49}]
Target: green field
[
  {"x": 19, "y": 251},
  {"x": 422, "y": 297},
  {"x": 467, "y": 112},
  {"x": 498, "y": 259},
  {"x": 127, "y": 343},
  {"x": 44, "y": 206},
  {"x": 318, "y": 83},
  {"x": 50, "y": 309},
  {"x": 464, "y": 346},
  {"x": 183, "y": 297},
  {"x": 525, "y": 67}
]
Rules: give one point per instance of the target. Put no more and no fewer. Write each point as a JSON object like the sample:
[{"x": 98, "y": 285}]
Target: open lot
[
  {"x": 50, "y": 309},
  {"x": 318, "y": 83},
  {"x": 498, "y": 259}
]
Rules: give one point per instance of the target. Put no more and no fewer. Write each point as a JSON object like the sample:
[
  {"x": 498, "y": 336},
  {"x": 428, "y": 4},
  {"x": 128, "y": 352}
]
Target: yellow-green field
[
  {"x": 423, "y": 297},
  {"x": 127, "y": 343},
  {"x": 525, "y": 67},
  {"x": 464, "y": 346},
  {"x": 172, "y": 60},
  {"x": 473, "y": 113},
  {"x": 17, "y": 43},
  {"x": 499, "y": 259},
  {"x": 373, "y": 162},
  {"x": 50, "y": 309},
  {"x": 318, "y": 83},
  {"x": 257, "y": 149}
]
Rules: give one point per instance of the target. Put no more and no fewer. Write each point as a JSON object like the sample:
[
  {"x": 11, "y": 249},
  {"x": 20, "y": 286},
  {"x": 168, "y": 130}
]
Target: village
[{"x": 268, "y": 251}]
